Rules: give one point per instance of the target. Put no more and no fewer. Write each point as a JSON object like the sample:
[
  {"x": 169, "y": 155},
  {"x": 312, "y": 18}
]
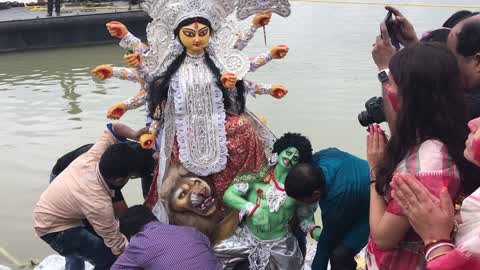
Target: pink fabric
[
  {"x": 433, "y": 167},
  {"x": 454, "y": 260}
]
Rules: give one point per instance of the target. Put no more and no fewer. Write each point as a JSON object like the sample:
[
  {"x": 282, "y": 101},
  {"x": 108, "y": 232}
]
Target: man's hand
[
  {"x": 383, "y": 50},
  {"x": 117, "y": 29},
  {"x": 133, "y": 59},
  {"x": 229, "y": 80},
  {"x": 279, "y": 51},
  {"x": 278, "y": 91},
  {"x": 102, "y": 72},
  {"x": 404, "y": 30},
  {"x": 116, "y": 111},
  {"x": 262, "y": 19},
  {"x": 432, "y": 218}
]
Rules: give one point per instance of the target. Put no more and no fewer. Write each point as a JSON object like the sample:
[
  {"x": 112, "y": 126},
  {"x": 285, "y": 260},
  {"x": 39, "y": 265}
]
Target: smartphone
[{"x": 390, "y": 21}]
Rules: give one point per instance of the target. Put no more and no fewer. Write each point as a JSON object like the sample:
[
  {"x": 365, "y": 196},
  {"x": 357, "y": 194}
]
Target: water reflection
[{"x": 68, "y": 84}]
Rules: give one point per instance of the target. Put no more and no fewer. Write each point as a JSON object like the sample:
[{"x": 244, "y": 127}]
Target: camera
[{"x": 374, "y": 113}]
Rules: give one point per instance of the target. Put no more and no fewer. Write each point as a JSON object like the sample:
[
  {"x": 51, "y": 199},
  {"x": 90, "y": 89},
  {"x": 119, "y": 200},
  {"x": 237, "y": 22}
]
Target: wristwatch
[{"x": 383, "y": 75}]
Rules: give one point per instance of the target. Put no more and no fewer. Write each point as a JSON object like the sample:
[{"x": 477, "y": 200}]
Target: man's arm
[
  {"x": 100, "y": 214},
  {"x": 125, "y": 131},
  {"x": 128, "y": 259}
]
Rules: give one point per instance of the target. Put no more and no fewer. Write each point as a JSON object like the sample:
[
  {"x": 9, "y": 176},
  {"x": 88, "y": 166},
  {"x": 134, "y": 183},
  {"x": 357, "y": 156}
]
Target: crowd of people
[{"x": 413, "y": 204}]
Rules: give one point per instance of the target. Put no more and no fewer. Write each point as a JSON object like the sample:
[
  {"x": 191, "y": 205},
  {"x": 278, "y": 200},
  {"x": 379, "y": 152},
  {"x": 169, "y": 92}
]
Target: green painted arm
[
  {"x": 306, "y": 216},
  {"x": 234, "y": 197}
]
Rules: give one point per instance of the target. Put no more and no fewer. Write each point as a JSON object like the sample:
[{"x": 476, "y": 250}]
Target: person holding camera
[{"x": 423, "y": 104}]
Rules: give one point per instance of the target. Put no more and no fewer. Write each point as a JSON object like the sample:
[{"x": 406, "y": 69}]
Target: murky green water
[{"x": 49, "y": 103}]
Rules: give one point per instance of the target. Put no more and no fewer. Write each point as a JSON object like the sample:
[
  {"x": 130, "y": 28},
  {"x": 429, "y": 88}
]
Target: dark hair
[
  {"x": 158, "y": 91},
  {"x": 457, "y": 17},
  {"x": 134, "y": 219},
  {"x": 120, "y": 160},
  {"x": 432, "y": 107},
  {"x": 438, "y": 35},
  {"x": 468, "y": 39},
  {"x": 298, "y": 141},
  {"x": 303, "y": 180},
  {"x": 147, "y": 164}
]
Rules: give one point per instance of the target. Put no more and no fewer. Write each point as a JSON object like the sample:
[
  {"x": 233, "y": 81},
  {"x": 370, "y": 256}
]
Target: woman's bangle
[
  {"x": 433, "y": 243},
  {"x": 437, "y": 256},
  {"x": 427, "y": 255},
  {"x": 373, "y": 181}
]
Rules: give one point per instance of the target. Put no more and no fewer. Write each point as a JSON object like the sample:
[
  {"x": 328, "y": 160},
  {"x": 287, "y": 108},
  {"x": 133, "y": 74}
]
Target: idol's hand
[
  {"x": 316, "y": 234},
  {"x": 116, "y": 111},
  {"x": 133, "y": 59},
  {"x": 262, "y": 19},
  {"x": 262, "y": 119},
  {"x": 147, "y": 141},
  {"x": 117, "y": 29},
  {"x": 229, "y": 80},
  {"x": 102, "y": 72},
  {"x": 279, "y": 51},
  {"x": 278, "y": 91}
]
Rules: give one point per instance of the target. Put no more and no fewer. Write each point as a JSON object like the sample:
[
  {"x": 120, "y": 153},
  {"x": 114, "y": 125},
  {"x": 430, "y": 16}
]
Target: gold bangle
[{"x": 437, "y": 256}]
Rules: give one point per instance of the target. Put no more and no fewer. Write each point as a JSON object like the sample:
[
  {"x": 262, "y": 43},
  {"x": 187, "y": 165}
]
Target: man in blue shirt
[{"x": 344, "y": 201}]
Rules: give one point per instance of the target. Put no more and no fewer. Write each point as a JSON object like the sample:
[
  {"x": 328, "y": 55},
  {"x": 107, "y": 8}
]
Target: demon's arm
[{"x": 305, "y": 214}]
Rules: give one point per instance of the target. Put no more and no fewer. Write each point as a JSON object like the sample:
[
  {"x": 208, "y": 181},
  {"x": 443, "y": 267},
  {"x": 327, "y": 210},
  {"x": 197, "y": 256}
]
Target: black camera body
[{"x": 374, "y": 112}]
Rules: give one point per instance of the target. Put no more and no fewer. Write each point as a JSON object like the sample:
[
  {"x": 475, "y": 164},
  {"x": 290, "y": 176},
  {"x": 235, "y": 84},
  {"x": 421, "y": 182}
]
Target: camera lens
[
  {"x": 365, "y": 119},
  {"x": 374, "y": 113}
]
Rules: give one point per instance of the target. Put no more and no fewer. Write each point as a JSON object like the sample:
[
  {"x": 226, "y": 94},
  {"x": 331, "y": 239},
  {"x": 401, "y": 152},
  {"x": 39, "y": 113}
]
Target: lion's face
[{"x": 192, "y": 194}]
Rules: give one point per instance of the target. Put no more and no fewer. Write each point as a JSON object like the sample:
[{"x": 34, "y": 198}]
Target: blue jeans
[
  {"x": 71, "y": 262},
  {"x": 82, "y": 245}
]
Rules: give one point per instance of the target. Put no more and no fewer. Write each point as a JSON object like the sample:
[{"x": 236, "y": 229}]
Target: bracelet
[
  {"x": 435, "y": 247},
  {"x": 313, "y": 229},
  {"x": 374, "y": 181},
  {"x": 433, "y": 243},
  {"x": 437, "y": 256},
  {"x": 253, "y": 210}
]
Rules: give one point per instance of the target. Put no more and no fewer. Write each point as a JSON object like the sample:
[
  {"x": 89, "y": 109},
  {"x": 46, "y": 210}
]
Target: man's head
[
  {"x": 134, "y": 219},
  {"x": 458, "y": 17},
  {"x": 121, "y": 162},
  {"x": 292, "y": 148},
  {"x": 306, "y": 183},
  {"x": 464, "y": 42}
]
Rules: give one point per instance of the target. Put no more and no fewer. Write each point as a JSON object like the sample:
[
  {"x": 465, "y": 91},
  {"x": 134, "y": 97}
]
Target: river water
[{"x": 50, "y": 104}]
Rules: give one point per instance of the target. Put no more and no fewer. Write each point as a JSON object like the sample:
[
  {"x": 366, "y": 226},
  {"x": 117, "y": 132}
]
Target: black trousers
[{"x": 50, "y": 6}]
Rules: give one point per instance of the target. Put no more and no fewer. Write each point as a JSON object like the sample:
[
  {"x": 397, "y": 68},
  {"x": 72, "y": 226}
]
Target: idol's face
[
  {"x": 195, "y": 37},
  {"x": 288, "y": 158}
]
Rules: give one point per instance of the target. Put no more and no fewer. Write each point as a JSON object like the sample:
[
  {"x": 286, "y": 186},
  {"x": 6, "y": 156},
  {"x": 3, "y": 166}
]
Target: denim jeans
[{"x": 83, "y": 245}]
